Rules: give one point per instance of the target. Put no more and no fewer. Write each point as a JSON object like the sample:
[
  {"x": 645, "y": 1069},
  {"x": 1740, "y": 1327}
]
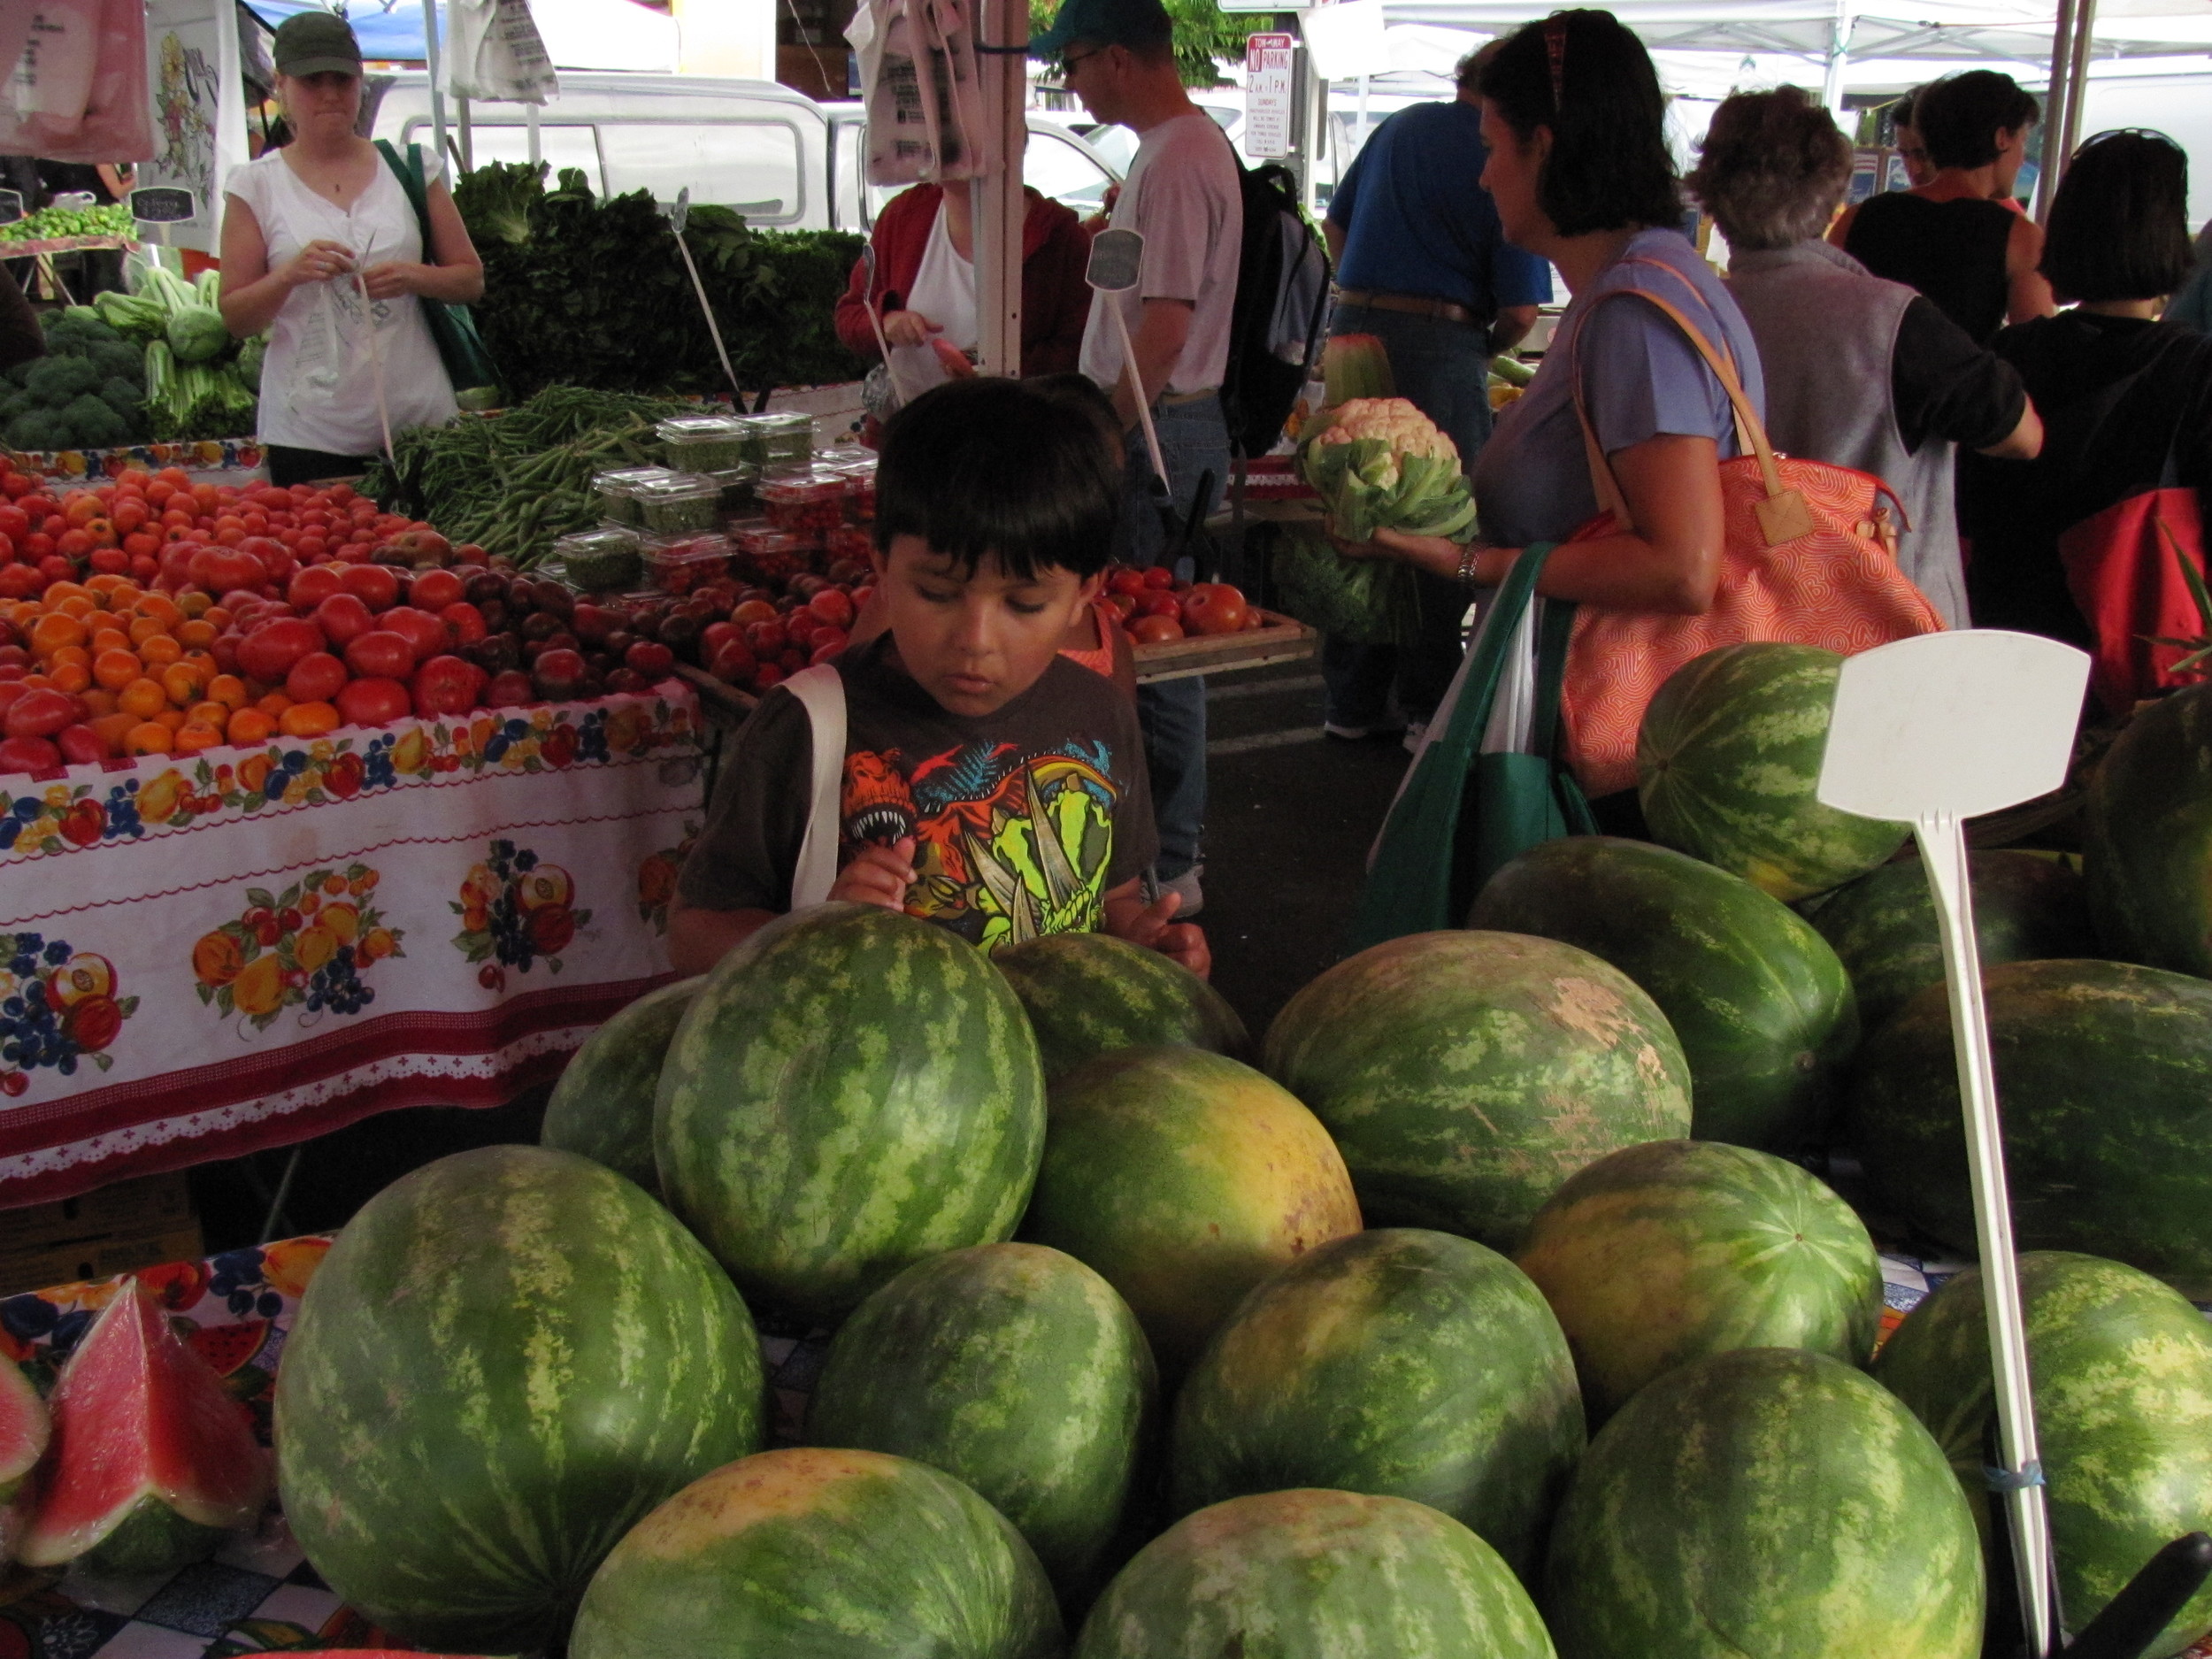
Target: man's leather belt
[{"x": 1414, "y": 304}]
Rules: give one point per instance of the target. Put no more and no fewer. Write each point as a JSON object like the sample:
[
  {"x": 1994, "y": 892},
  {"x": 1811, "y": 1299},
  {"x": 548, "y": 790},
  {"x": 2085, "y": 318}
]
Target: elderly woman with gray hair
[{"x": 1860, "y": 371}]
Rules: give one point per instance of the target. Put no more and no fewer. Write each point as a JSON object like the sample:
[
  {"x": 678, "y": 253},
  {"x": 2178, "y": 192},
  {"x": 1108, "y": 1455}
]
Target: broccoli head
[
  {"x": 37, "y": 430},
  {"x": 119, "y": 360},
  {"x": 54, "y": 380},
  {"x": 15, "y": 403},
  {"x": 93, "y": 424}
]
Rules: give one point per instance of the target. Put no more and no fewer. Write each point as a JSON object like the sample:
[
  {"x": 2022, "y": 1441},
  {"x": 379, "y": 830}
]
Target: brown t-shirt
[{"x": 1022, "y": 819}]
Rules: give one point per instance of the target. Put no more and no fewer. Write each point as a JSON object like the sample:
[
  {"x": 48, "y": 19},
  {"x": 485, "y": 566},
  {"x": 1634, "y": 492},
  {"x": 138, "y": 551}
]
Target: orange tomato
[
  {"x": 205, "y": 498},
  {"x": 249, "y": 725},
  {"x": 70, "y": 655},
  {"x": 195, "y": 735},
  {"x": 144, "y": 698},
  {"x": 105, "y": 584},
  {"x": 116, "y": 669},
  {"x": 71, "y": 677},
  {"x": 159, "y": 650},
  {"x": 272, "y": 705},
  {"x": 183, "y": 683},
  {"x": 147, "y": 738},
  {"x": 60, "y": 591},
  {"x": 308, "y": 719},
  {"x": 208, "y": 713},
  {"x": 112, "y": 728},
  {"x": 171, "y": 717},
  {"x": 108, "y": 639},
  {"x": 162, "y": 608},
  {"x": 211, "y": 611},
  {"x": 80, "y": 508},
  {"x": 198, "y": 633},
  {"x": 144, "y": 628},
  {"x": 54, "y": 630},
  {"x": 96, "y": 700},
  {"x": 228, "y": 690},
  {"x": 198, "y": 605}
]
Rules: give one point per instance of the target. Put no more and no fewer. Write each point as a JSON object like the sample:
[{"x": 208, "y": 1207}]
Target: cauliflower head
[{"x": 1378, "y": 462}]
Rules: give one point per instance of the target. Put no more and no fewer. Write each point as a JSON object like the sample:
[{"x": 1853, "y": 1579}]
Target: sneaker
[
  {"x": 1416, "y": 730},
  {"x": 1194, "y": 897}
]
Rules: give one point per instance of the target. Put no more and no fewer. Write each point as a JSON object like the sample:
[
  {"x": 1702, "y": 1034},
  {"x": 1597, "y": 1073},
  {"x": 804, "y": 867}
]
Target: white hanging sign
[
  {"x": 1267, "y": 62},
  {"x": 199, "y": 115}
]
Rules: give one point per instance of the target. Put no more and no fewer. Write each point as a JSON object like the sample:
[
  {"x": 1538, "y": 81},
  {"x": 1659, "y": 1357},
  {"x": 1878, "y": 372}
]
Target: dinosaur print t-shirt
[{"x": 1022, "y": 820}]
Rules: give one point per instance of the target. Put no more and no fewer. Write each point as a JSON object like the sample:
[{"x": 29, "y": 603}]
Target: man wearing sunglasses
[{"x": 1184, "y": 197}]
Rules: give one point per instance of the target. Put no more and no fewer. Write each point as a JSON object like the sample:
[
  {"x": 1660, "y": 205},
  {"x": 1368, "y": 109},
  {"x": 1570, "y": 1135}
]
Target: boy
[{"x": 989, "y": 786}]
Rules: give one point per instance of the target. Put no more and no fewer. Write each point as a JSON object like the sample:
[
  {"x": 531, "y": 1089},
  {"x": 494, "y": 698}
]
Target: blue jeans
[
  {"x": 1194, "y": 440},
  {"x": 1443, "y": 369}
]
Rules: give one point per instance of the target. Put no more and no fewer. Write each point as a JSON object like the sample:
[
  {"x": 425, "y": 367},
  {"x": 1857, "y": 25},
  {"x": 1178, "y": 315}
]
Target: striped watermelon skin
[
  {"x": 1090, "y": 994},
  {"x": 1726, "y": 764},
  {"x": 1400, "y": 1362},
  {"x": 1662, "y": 1255},
  {"x": 1765, "y": 1501},
  {"x": 2104, "y": 1071},
  {"x": 829, "y": 1554},
  {"x": 602, "y": 1109},
  {"x": 1185, "y": 1179},
  {"x": 852, "y": 1091},
  {"x": 1465, "y": 1075},
  {"x": 2147, "y": 836},
  {"x": 1015, "y": 1369},
  {"x": 507, "y": 1358},
  {"x": 25, "y": 1429},
  {"x": 1313, "y": 1574},
  {"x": 1761, "y": 1005},
  {"x": 2121, "y": 1367},
  {"x": 1883, "y": 926}
]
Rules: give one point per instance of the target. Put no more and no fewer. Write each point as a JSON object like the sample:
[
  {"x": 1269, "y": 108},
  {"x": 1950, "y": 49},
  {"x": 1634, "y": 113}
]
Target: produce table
[
  {"x": 64, "y": 244},
  {"x": 89, "y": 467},
  {"x": 204, "y": 955}
]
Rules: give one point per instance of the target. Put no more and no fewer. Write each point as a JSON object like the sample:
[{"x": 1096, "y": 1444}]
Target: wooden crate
[
  {"x": 1284, "y": 639},
  {"x": 114, "y": 1230}
]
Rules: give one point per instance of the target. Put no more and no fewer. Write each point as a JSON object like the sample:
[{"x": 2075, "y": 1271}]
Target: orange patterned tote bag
[{"x": 1810, "y": 558}]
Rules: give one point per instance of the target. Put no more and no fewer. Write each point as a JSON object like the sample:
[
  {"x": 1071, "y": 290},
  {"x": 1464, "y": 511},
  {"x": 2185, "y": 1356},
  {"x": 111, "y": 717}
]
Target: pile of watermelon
[{"x": 1492, "y": 1302}]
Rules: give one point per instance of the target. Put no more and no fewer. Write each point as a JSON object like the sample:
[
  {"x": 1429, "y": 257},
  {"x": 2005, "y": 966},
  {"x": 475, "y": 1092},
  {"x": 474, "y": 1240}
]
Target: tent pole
[
  {"x": 2077, "y": 73},
  {"x": 2054, "y": 110},
  {"x": 1839, "y": 60},
  {"x": 468, "y": 149},
  {"x": 430, "y": 61},
  {"x": 530, "y": 121},
  {"x": 1000, "y": 209}
]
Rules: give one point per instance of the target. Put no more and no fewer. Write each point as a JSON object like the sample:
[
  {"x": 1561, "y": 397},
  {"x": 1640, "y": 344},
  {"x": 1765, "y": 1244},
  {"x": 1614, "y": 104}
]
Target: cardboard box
[{"x": 114, "y": 1230}]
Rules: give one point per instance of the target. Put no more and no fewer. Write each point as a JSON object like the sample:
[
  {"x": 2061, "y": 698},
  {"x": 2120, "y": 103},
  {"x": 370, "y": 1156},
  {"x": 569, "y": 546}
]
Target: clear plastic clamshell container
[
  {"x": 779, "y": 443},
  {"x": 605, "y": 560},
  {"x": 810, "y": 503},
  {"x": 683, "y": 564},
  {"x": 681, "y": 504},
  {"x": 702, "y": 443},
  {"x": 615, "y": 491}
]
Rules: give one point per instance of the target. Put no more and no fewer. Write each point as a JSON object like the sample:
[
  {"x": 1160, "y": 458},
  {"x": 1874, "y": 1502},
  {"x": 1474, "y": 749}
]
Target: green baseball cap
[
  {"x": 1105, "y": 23},
  {"x": 316, "y": 43}
]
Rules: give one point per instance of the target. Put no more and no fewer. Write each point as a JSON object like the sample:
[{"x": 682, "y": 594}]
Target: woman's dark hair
[
  {"x": 1772, "y": 168},
  {"x": 2119, "y": 226},
  {"x": 1610, "y": 167},
  {"x": 1959, "y": 116},
  {"x": 1002, "y": 469}
]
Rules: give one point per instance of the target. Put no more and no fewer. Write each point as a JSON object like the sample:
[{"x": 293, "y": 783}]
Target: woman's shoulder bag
[{"x": 469, "y": 367}]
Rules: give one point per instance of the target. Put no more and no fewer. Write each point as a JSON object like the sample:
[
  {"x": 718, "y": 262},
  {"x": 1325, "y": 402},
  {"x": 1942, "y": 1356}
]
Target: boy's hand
[
  {"x": 1154, "y": 928},
  {"x": 878, "y": 875}
]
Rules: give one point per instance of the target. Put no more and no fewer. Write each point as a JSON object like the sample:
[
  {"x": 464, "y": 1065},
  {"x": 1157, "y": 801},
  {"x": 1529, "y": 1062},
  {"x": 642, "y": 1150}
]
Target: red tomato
[
  {"x": 833, "y": 606},
  {"x": 1214, "y": 608},
  {"x": 1123, "y": 579},
  {"x": 509, "y": 690},
  {"x": 426, "y": 632},
  {"x": 733, "y": 662},
  {"x": 1153, "y": 629},
  {"x": 80, "y": 746},
  {"x": 651, "y": 658},
  {"x": 15, "y": 523},
  {"x": 435, "y": 590},
  {"x": 41, "y": 713},
  {"x": 343, "y": 618},
  {"x": 317, "y": 677},
  {"x": 766, "y": 638},
  {"x": 381, "y": 654},
  {"x": 311, "y": 586},
  {"x": 275, "y": 558},
  {"x": 828, "y": 643},
  {"x": 464, "y": 622},
  {"x": 1159, "y": 576},
  {"x": 375, "y": 585},
  {"x": 375, "y": 701},
  {"x": 270, "y": 649},
  {"x": 32, "y": 754},
  {"x": 766, "y": 675},
  {"x": 715, "y": 635},
  {"x": 220, "y": 569},
  {"x": 445, "y": 685},
  {"x": 1123, "y": 605},
  {"x": 558, "y": 674},
  {"x": 1160, "y": 602}
]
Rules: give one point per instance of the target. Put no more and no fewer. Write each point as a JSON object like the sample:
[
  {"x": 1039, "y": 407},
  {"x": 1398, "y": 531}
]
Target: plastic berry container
[
  {"x": 779, "y": 444},
  {"x": 682, "y": 563},
  {"x": 849, "y": 541},
  {"x": 608, "y": 559},
  {"x": 702, "y": 443},
  {"x": 812, "y": 505},
  {"x": 681, "y": 505},
  {"x": 614, "y": 490}
]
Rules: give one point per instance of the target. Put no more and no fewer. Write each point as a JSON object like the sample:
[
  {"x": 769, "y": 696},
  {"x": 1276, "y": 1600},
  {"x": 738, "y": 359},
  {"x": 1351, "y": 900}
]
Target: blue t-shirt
[
  {"x": 1640, "y": 378},
  {"x": 1416, "y": 220}
]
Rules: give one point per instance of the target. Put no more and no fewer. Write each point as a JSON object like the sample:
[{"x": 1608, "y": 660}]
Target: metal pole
[
  {"x": 2077, "y": 74},
  {"x": 999, "y": 205},
  {"x": 2055, "y": 109},
  {"x": 1839, "y": 60},
  {"x": 430, "y": 59},
  {"x": 468, "y": 147},
  {"x": 530, "y": 122}
]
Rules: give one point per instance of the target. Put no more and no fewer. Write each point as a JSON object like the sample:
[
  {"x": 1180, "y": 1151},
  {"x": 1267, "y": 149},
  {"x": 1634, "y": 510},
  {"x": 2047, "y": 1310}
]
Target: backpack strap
[
  {"x": 821, "y": 693},
  {"x": 409, "y": 173}
]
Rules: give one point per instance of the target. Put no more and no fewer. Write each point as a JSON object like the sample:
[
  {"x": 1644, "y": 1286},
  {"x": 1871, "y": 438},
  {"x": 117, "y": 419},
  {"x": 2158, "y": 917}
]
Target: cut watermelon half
[
  {"x": 24, "y": 1430},
  {"x": 151, "y": 1461}
]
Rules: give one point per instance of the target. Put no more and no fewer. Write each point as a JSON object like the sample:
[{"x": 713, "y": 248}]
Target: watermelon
[
  {"x": 151, "y": 1462},
  {"x": 2122, "y": 1366},
  {"x": 1090, "y": 993},
  {"x": 1316, "y": 1575},
  {"x": 1465, "y": 1075},
  {"x": 2026, "y": 909},
  {"x": 2146, "y": 837},
  {"x": 25, "y": 1429},
  {"x": 832, "y": 1555},
  {"x": 1765, "y": 1501},
  {"x": 1015, "y": 1368},
  {"x": 1726, "y": 762},
  {"x": 2104, "y": 1071},
  {"x": 508, "y": 1357},
  {"x": 602, "y": 1107},
  {"x": 1762, "y": 1009},
  {"x": 1401, "y": 1363},
  {"x": 853, "y": 1090},
  {"x": 1664, "y": 1254},
  {"x": 1185, "y": 1179}
]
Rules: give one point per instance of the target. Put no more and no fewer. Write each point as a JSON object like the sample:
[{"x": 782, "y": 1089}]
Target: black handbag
[{"x": 469, "y": 367}]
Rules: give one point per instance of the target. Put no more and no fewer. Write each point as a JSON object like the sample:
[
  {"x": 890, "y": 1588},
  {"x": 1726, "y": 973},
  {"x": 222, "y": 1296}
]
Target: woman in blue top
[{"x": 1582, "y": 174}]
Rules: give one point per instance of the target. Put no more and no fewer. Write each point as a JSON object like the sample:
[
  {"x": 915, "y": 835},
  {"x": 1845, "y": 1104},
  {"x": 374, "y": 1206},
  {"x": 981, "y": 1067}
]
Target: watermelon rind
[
  {"x": 2147, "y": 836},
  {"x": 1184, "y": 1179},
  {"x": 2027, "y": 908},
  {"x": 1090, "y": 994},
  {"x": 152, "y": 1539},
  {"x": 1015, "y": 1369},
  {"x": 827, "y": 1553},
  {"x": 1726, "y": 764},
  {"x": 2104, "y": 1073},
  {"x": 1762, "y": 1009},
  {"x": 1465, "y": 1075},
  {"x": 1765, "y": 1501},
  {"x": 1313, "y": 1574},
  {"x": 1400, "y": 1362},
  {"x": 852, "y": 1091},
  {"x": 2122, "y": 1368},
  {"x": 1666, "y": 1253},
  {"x": 25, "y": 1427},
  {"x": 508, "y": 1357},
  {"x": 602, "y": 1108}
]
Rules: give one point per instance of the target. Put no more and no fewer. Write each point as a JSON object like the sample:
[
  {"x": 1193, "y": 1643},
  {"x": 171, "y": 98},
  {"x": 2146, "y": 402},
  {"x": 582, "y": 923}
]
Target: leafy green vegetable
[
  {"x": 1372, "y": 601},
  {"x": 196, "y": 334}
]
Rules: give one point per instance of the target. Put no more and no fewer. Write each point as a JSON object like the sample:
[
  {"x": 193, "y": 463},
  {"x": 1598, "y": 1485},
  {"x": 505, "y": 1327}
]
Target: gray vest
[{"x": 1827, "y": 334}]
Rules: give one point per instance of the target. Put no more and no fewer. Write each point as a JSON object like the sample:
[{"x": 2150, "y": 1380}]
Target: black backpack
[{"x": 1282, "y": 300}]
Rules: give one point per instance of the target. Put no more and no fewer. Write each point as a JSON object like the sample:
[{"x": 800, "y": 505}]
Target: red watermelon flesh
[
  {"x": 24, "y": 1430},
  {"x": 151, "y": 1460}
]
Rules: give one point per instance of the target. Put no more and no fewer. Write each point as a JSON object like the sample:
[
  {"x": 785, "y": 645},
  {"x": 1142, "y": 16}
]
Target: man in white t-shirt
[{"x": 1184, "y": 197}]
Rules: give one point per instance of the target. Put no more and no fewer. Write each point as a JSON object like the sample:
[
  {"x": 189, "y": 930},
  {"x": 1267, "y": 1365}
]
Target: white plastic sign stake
[
  {"x": 1117, "y": 266},
  {"x": 1937, "y": 729},
  {"x": 875, "y": 320},
  {"x": 678, "y": 213}
]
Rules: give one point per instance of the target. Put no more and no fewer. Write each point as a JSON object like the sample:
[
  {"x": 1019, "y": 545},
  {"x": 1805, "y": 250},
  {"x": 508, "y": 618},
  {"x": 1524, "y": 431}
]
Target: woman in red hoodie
[{"x": 925, "y": 287}]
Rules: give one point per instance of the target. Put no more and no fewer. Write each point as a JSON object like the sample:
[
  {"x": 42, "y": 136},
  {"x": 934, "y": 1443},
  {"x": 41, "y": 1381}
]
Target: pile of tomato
[{"x": 1157, "y": 605}]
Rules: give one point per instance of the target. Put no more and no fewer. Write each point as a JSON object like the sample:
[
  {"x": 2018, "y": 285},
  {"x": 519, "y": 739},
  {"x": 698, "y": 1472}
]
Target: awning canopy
[{"x": 617, "y": 34}]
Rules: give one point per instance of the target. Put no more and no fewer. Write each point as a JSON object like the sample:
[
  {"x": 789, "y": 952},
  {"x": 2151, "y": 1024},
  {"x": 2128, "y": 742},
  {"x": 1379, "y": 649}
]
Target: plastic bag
[
  {"x": 917, "y": 69},
  {"x": 493, "y": 50},
  {"x": 73, "y": 82}
]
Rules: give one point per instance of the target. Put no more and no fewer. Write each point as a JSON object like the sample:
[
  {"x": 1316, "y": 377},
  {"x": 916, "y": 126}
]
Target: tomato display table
[{"x": 203, "y": 956}]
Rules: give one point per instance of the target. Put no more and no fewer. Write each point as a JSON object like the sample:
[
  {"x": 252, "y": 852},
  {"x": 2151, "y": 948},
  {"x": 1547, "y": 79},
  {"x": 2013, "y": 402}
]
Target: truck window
[
  {"x": 569, "y": 145},
  {"x": 1054, "y": 167},
  {"x": 751, "y": 167}
]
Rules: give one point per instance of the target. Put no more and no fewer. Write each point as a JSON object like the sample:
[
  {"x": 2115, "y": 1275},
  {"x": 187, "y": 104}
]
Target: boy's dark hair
[
  {"x": 1610, "y": 167},
  {"x": 1000, "y": 468},
  {"x": 2119, "y": 226},
  {"x": 1959, "y": 116}
]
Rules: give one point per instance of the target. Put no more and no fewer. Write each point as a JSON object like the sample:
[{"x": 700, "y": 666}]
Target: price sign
[
  {"x": 1268, "y": 61},
  {"x": 162, "y": 205}
]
